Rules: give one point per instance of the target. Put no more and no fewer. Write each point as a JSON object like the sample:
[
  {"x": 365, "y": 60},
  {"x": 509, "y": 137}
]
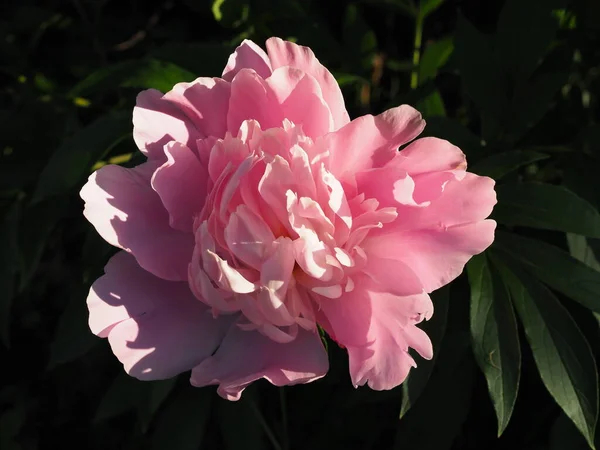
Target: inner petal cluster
[{"x": 276, "y": 229}]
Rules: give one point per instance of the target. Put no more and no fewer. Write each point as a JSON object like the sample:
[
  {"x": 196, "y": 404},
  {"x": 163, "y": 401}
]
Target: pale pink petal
[
  {"x": 371, "y": 141},
  {"x": 156, "y": 328},
  {"x": 156, "y": 121},
  {"x": 453, "y": 202},
  {"x": 205, "y": 102},
  {"x": 247, "y": 55},
  {"x": 248, "y": 237},
  {"x": 181, "y": 183},
  {"x": 301, "y": 100},
  {"x": 252, "y": 98},
  {"x": 247, "y": 356},
  {"x": 129, "y": 214},
  {"x": 284, "y": 53},
  {"x": 378, "y": 329},
  {"x": 436, "y": 256},
  {"x": 430, "y": 154}
]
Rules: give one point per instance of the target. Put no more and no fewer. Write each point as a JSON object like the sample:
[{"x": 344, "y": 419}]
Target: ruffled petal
[
  {"x": 436, "y": 256},
  {"x": 246, "y": 356},
  {"x": 247, "y": 55},
  {"x": 157, "y": 121},
  {"x": 252, "y": 98},
  {"x": 284, "y": 53},
  {"x": 205, "y": 102},
  {"x": 371, "y": 141},
  {"x": 301, "y": 100},
  {"x": 129, "y": 214},
  {"x": 378, "y": 329},
  {"x": 181, "y": 183},
  {"x": 156, "y": 328}
]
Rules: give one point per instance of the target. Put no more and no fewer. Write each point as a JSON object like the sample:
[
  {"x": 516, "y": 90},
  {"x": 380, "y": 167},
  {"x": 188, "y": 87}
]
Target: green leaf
[
  {"x": 159, "y": 390},
  {"x": 413, "y": 386},
  {"x": 444, "y": 404},
  {"x": 565, "y": 435},
  {"x": 554, "y": 267},
  {"x": 432, "y": 106},
  {"x": 581, "y": 250},
  {"x": 429, "y": 6},
  {"x": 561, "y": 352},
  {"x": 455, "y": 132},
  {"x": 499, "y": 165},
  {"x": 479, "y": 70},
  {"x": 435, "y": 56},
  {"x": 9, "y": 264},
  {"x": 545, "y": 206},
  {"x": 182, "y": 424},
  {"x": 142, "y": 74},
  {"x": 495, "y": 337},
  {"x": 524, "y": 32},
  {"x": 75, "y": 157}
]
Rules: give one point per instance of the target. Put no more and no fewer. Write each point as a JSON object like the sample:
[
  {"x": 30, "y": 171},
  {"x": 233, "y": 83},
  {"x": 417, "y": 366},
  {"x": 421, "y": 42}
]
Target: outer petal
[
  {"x": 436, "y": 256},
  {"x": 156, "y": 328},
  {"x": 459, "y": 202},
  {"x": 378, "y": 329},
  {"x": 301, "y": 100},
  {"x": 181, "y": 183},
  {"x": 205, "y": 102},
  {"x": 247, "y": 55},
  {"x": 127, "y": 213},
  {"x": 430, "y": 154},
  {"x": 246, "y": 356},
  {"x": 284, "y": 53},
  {"x": 371, "y": 141},
  {"x": 252, "y": 98},
  {"x": 156, "y": 121}
]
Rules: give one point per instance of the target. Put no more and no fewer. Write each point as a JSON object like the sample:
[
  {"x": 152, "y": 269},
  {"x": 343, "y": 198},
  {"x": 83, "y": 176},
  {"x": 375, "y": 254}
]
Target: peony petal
[
  {"x": 371, "y": 141},
  {"x": 156, "y": 328},
  {"x": 205, "y": 102},
  {"x": 430, "y": 154},
  {"x": 156, "y": 121},
  {"x": 246, "y": 356},
  {"x": 378, "y": 329},
  {"x": 247, "y": 55},
  {"x": 129, "y": 214},
  {"x": 301, "y": 100},
  {"x": 248, "y": 237},
  {"x": 284, "y": 53},
  {"x": 252, "y": 98},
  {"x": 181, "y": 183},
  {"x": 436, "y": 256},
  {"x": 454, "y": 202}
]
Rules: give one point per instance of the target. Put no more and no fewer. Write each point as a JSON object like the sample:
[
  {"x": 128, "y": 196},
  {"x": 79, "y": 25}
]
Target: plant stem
[{"x": 414, "y": 76}]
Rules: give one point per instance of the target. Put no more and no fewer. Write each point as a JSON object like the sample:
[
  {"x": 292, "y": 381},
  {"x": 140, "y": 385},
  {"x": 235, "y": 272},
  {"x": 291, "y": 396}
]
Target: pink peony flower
[{"x": 263, "y": 212}]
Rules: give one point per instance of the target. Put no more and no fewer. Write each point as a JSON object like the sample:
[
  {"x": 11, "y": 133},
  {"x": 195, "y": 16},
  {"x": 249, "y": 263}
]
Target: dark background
[{"x": 514, "y": 83}]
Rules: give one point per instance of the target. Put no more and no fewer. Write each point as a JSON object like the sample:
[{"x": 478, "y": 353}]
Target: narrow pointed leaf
[
  {"x": 500, "y": 164},
  {"x": 561, "y": 352},
  {"x": 547, "y": 207},
  {"x": 554, "y": 267},
  {"x": 495, "y": 337}
]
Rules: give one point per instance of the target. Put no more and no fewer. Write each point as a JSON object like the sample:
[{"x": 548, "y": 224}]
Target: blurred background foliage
[{"x": 514, "y": 83}]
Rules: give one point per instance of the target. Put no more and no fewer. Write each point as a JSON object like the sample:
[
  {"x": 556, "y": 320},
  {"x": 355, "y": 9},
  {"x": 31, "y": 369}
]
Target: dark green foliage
[{"x": 514, "y": 83}]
